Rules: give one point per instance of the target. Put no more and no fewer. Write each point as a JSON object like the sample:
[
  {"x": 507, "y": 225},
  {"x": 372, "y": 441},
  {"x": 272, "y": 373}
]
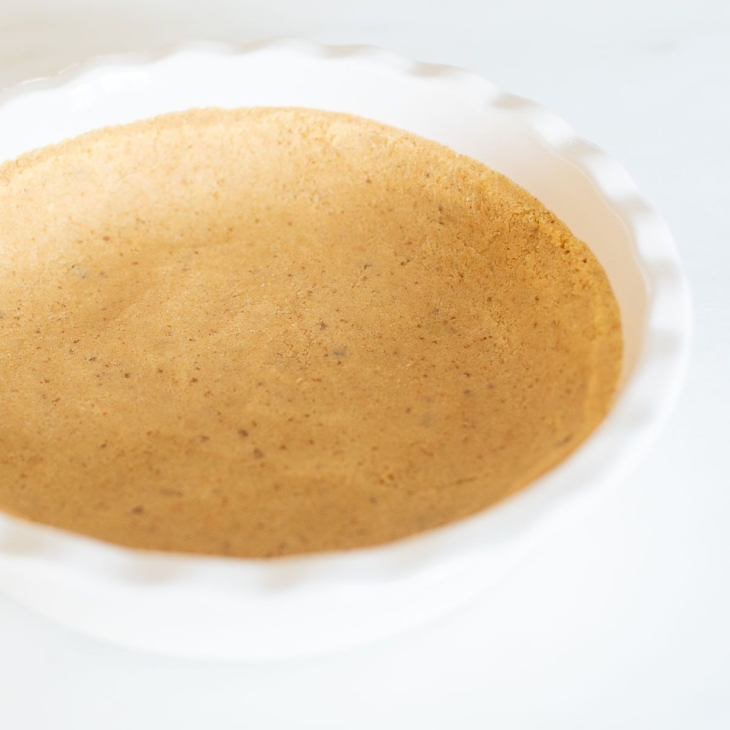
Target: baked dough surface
[{"x": 272, "y": 331}]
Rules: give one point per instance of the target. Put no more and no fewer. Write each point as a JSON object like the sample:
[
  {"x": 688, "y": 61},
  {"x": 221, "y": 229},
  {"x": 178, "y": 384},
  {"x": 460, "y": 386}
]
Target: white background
[{"x": 622, "y": 621}]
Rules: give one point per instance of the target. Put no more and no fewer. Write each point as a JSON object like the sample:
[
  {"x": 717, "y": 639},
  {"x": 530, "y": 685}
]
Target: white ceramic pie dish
[{"x": 254, "y": 609}]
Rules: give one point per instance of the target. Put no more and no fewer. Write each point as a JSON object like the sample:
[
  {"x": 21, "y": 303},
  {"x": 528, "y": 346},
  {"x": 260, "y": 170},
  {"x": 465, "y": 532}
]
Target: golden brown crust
[{"x": 270, "y": 331}]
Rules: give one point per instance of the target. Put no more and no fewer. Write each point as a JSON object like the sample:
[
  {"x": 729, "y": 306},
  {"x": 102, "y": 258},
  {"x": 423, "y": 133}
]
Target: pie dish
[{"x": 246, "y": 608}]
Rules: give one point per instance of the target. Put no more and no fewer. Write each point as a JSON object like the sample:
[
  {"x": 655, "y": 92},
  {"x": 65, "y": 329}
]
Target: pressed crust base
[{"x": 272, "y": 331}]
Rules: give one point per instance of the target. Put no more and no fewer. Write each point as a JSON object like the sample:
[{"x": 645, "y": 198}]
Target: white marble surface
[{"x": 621, "y": 621}]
